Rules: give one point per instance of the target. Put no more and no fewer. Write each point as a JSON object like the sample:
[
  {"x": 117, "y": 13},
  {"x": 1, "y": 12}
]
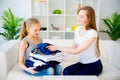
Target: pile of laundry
[{"x": 42, "y": 58}]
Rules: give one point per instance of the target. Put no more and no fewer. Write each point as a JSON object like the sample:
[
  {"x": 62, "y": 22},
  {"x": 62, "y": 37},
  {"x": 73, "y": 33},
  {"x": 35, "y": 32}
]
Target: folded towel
[{"x": 56, "y": 57}]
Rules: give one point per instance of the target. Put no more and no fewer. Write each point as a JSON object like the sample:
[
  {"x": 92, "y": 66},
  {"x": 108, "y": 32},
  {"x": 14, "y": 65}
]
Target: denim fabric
[
  {"x": 49, "y": 71},
  {"x": 84, "y": 69},
  {"x": 55, "y": 70}
]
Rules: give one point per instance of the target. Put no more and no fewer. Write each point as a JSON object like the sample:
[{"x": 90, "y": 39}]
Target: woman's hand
[
  {"x": 31, "y": 70},
  {"x": 52, "y": 47}
]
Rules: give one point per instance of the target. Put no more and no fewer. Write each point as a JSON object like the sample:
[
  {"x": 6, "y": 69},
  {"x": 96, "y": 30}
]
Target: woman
[{"x": 86, "y": 45}]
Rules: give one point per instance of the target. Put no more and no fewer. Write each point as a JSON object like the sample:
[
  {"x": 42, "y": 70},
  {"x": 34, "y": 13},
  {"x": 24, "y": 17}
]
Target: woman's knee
[{"x": 66, "y": 71}]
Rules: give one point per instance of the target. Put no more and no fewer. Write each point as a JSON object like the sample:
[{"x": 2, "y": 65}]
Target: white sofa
[{"x": 10, "y": 70}]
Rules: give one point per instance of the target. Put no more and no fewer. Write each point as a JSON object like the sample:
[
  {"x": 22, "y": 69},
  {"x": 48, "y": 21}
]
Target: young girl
[
  {"x": 85, "y": 44},
  {"x": 29, "y": 36}
]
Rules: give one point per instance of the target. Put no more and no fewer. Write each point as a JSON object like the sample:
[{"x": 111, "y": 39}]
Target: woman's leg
[
  {"x": 91, "y": 69},
  {"x": 57, "y": 69},
  {"x": 72, "y": 69},
  {"x": 49, "y": 71}
]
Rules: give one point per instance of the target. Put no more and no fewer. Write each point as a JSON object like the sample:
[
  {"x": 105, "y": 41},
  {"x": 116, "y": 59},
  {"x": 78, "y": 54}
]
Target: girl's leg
[
  {"x": 57, "y": 69},
  {"x": 91, "y": 69},
  {"x": 49, "y": 71},
  {"x": 72, "y": 69}
]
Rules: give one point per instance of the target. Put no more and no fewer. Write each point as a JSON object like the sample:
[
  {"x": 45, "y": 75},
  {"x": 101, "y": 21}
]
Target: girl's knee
[
  {"x": 50, "y": 71},
  {"x": 58, "y": 70}
]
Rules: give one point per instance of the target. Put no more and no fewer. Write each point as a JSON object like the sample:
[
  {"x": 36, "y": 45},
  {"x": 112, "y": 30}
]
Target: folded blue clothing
[
  {"x": 44, "y": 50},
  {"x": 29, "y": 63}
]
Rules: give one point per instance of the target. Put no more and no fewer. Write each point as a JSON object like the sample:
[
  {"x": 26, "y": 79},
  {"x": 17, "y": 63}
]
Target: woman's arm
[{"x": 75, "y": 49}]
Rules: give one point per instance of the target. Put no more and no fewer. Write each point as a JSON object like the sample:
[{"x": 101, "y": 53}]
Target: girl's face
[
  {"x": 82, "y": 17},
  {"x": 34, "y": 30}
]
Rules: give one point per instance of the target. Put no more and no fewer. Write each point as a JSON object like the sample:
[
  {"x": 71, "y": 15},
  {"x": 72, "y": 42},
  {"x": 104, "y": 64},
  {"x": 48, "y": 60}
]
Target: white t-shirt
[{"x": 89, "y": 54}]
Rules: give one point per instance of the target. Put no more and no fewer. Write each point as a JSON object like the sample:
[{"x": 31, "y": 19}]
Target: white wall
[
  {"x": 107, "y": 8},
  {"x": 20, "y": 8}
]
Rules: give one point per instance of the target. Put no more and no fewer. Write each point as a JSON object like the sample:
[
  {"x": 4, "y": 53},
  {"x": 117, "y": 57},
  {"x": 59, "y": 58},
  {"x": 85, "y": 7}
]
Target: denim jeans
[
  {"x": 94, "y": 68},
  {"x": 56, "y": 70},
  {"x": 49, "y": 71}
]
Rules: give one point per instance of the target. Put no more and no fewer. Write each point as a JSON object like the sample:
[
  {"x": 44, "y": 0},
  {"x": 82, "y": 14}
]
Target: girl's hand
[{"x": 31, "y": 70}]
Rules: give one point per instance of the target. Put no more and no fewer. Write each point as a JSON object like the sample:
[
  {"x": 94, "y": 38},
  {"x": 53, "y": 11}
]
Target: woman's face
[
  {"x": 34, "y": 30},
  {"x": 82, "y": 17}
]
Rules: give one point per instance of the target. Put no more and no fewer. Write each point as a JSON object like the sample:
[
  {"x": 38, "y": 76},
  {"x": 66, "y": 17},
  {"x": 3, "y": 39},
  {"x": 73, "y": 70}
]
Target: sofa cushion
[
  {"x": 109, "y": 73},
  {"x": 110, "y": 52},
  {"x": 8, "y": 56},
  {"x": 17, "y": 73}
]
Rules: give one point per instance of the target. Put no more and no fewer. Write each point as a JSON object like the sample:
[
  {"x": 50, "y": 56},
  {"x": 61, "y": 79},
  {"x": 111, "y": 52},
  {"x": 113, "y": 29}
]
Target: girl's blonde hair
[
  {"x": 26, "y": 24},
  {"x": 91, "y": 23}
]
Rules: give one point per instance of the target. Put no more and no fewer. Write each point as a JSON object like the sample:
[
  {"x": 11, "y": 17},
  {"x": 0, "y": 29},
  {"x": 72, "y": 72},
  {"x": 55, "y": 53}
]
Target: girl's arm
[
  {"x": 75, "y": 49},
  {"x": 22, "y": 48}
]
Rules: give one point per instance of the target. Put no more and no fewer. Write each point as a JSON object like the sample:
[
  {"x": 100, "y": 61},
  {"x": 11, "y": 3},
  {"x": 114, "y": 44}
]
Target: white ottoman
[{"x": 70, "y": 77}]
